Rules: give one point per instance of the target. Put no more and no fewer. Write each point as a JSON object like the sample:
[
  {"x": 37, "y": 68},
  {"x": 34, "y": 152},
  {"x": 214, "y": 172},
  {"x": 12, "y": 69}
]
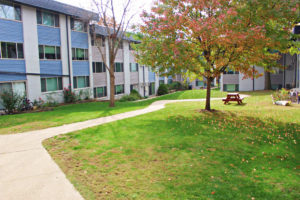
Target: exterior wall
[
  {"x": 81, "y": 68},
  {"x": 134, "y": 78},
  {"x": 91, "y": 90},
  {"x": 119, "y": 78},
  {"x": 231, "y": 79},
  {"x": 100, "y": 79},
  {"x": 151, "y": 76},
  {"x": 31, "y": 52},
  {"x": 12, "y": 66},
  {"x": 156, "y": 83},
  {"x": 298, "y": 71},
  {"x": 141, "y": 76},
  {"x": 259, "y": 83},
  {"x": 97, "y": 55},
  {"x": 127, "y": 74},
  {"x": 53, "y": 67},
  {"x": 79, "y": 40},
  {"x": 49, "y": 35},
  {"x": 120, "y": 56},
  {"x": 146, "y": 88},
  {"x": 65, "y": 60},
  {"x": 277, "y": 79},
  {"x": 32, "y": 35},
  {"x": 245, "y": 84},
  {"x": 11, "y": 31},
  {"x": 107, "y": 72},
  {"x": 69, "y": 47}
]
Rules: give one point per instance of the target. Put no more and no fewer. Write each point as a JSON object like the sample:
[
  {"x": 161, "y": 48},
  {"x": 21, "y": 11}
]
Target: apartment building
[
  {"x": 47, "y": 46},
  {"x": 282, "y": 78},
  {"x": 288, "y": 77},
  {"x": 129, "y": 74}
]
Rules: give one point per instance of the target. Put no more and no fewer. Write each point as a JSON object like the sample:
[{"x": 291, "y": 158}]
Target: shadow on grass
[{"x": 220, "y": 141}]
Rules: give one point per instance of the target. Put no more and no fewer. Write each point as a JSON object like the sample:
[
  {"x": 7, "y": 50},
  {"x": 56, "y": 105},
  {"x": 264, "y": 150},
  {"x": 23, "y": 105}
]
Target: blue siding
[
  {"x": 11, "y": 31},
  {"x": 12, "y": 66},
  {"x": 151, "y": 76},
  {"x": 81, "y": 68},
  {"x": 161, "y": 78},
  {"x": 51, "y": 67},
  {"x": 48, "y": 35},
  {"x": 79, "y": 40}
]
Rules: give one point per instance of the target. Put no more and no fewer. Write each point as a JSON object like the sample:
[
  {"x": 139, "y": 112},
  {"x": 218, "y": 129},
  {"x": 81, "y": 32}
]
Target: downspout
[{"x": 68, "y": 44}]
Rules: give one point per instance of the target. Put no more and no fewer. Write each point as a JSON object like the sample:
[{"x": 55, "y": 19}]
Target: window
[
  {"x": 199, "y": 83},
  {"x": 130, "y": 47},
  {"x": 51, "y": 84},
  {"x": 231, "y": 87},
  {"x": 119, "y": 89},
  {"x": 11, "y": 50},
  {"x": 47, "y": 18},
  {"x": 49, "y": 52},
  {"x": 119, "y": 67},
  {"x": 161, "y": 82},
  {"x": 16, "y": 87},
  {"x": 170, "y": 81},
  {"x": 152, "y": 89},
  {"x": 276, "y": 86},
  {"x": 81, "y": 81},
  {"x": 121, "y": 45},
  {"x": 10, "y": 11},
  {"x": 77, "y": 25},
  {"x": 231, "y": 72},
  {"x": 134, "y": 67},
  {"x": 80, "y": 54},
  {"x": 99, "y": 41},
  {"x": 98, "y": 67},
  {"x": 100, "y": 92}
]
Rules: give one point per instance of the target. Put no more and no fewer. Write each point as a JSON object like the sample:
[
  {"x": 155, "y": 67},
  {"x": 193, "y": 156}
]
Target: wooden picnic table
[{"x": 233, "y": 97}]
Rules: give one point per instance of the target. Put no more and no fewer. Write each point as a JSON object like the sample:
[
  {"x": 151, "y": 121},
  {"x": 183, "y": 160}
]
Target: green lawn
[
  {"x": 239, "y": 152},
  {"x": 10, "y": 124}
]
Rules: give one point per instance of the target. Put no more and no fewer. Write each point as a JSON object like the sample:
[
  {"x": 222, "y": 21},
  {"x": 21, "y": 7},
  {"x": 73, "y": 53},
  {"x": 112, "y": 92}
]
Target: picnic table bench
[{"x": 233, "y": 97}]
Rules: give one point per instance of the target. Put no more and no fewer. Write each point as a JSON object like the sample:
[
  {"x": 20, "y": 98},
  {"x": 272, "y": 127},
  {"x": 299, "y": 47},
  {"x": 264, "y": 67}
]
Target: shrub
[
  {"x": 177, "y": 86},
  {"x": 162, "y": 90},
  {"x": 133, "y": 96},
  {"x": 281, "y": 95},
  {"x": 50, "y": 102},
  {"x": 38, "y": 103},
  {"x": 11, "y": 101},
  {"x": 134, "y": 92},
  {"x": 69, "y": 96},
  {"x": 128, "y": 98}
]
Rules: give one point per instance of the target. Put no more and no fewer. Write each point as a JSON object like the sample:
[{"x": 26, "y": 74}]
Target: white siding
[{"x": 31, "y": 52}]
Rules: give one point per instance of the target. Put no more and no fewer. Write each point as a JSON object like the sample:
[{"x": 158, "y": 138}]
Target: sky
[{"x": 136, "y": 8}]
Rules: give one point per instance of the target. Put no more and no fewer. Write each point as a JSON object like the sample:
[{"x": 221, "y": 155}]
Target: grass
[
  {"x": 239, "y": 152},
  {"x": 67, "y": 114}
]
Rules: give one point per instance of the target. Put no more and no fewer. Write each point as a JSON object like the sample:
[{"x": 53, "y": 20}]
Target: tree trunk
[
  {"x": 208, "y": 88},
  {"x": 112, "y": 90},
  {"x": 267, "y": 80}
]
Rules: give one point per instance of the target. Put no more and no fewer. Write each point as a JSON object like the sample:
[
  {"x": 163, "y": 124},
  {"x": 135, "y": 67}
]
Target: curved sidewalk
[{"x": 28, "y": 172}]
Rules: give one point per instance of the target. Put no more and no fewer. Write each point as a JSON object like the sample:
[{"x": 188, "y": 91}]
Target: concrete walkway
[{"x": 27, "y": 172}]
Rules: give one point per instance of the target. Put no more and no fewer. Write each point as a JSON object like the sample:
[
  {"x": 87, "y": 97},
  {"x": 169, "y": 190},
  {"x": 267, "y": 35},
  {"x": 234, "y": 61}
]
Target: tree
[
  {"x": 115, "y": 33},
  {"x": 207, "y": 37}
]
